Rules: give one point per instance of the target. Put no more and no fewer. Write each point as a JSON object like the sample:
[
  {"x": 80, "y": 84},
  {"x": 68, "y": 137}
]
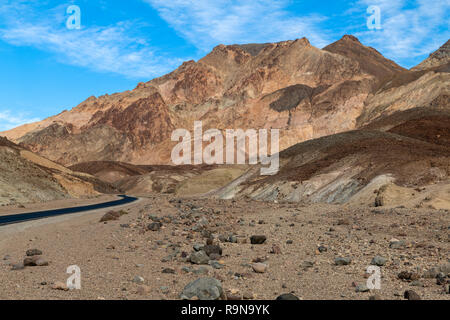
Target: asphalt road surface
[{"x": 22, "y": 217}]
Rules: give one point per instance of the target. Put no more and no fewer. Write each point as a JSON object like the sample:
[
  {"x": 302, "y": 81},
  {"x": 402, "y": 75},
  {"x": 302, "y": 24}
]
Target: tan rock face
[
  {"x": 437, "y": 58},
  {"x": 26, "y": 177},
  {"x": 304, "y": 91}
]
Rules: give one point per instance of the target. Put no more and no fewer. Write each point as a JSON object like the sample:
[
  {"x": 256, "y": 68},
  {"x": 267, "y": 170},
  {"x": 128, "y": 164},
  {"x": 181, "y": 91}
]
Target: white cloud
[
  {"x": 9, "y": 121},
  {"x": 113, "y": 48},
  {"x": 206, "y": 23},
  {"x": 409, "y": 28}
]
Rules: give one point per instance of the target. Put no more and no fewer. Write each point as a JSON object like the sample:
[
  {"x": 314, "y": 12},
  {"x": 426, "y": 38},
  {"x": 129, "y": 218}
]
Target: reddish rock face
[{"x": 304, "y": 91}]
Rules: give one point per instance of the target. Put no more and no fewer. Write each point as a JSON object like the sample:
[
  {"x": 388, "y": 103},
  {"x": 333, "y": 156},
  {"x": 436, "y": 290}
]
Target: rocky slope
[
  {"x": 438, "y": 58},
  {"x": 402, "y": 159},
  {"x": 291, "y": 85},
  {"x": 26, "y": 177}
]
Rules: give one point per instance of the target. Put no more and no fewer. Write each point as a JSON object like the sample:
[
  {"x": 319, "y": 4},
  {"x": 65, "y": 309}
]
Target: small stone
[
  {"x": 275, "y": 249},
  {"x": 375, "y": 297},
  {"x": 214, "y": 256},
  {"x": 440, "y": 279},
  {"x": 168, "y": 271},
  {"x": 60, "y": 286},
  {"x": 258, "y": 239},
  {"x": 287, "y": 296},
  {"x": 361, "y": 288},
  {"x": 322, "y": 249},
  {"x": 34, "y": 261},
  {"x": 342, "y": 261},
  {"x": 41, "y": 262},
  {"x": 411, "y": 295},
  {"x": 138, "y": 279},
  {"x": 18, "y": 266},
  {"x": 216, "y": 264},
  {"x": 447, "y": 288},
  {"x": 201, "y": 271},
  {"x": 408, "y": 276},
  {"x": 307, "y": 264},
  {"x": 197, "y": 247},
  {"x": 397, "y": 244},
  {"x": 34, "y": 252},
  {"x": 110, "y": 216},
  {"x": 164, "y": 289},
  {"x": 378, "y": 261},
  {"x": 199, "y": 257},
  {"x": 259, "y": 267},
  {"x": 155, "y": 226},
  {"x": 210, "y": 249},
  {"x": 203, "y": 289},
  {"x": 416, "y": 283}
]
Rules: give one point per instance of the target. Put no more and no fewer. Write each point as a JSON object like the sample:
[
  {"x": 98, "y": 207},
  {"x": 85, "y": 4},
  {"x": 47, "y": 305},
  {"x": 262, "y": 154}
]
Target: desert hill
[
  {"x": 26, "y": 177},
  {"x": 305, "y": 91}
]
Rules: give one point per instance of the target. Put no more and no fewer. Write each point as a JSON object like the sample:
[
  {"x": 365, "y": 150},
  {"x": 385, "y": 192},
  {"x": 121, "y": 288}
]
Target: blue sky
[{"x": 46, "y": 68}]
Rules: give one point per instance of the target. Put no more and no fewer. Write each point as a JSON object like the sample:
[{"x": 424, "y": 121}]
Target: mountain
[
  {"x": 354, "y": 126},
  {"x": 26, "y": 177},
  {"x": 402, "y": 160},
  {"x": 291, "y": 85},
  {"x": 438, "y": 58}
]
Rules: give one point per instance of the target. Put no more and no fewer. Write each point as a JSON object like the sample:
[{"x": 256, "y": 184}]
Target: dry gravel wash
[{"x": 111, "y": 255}]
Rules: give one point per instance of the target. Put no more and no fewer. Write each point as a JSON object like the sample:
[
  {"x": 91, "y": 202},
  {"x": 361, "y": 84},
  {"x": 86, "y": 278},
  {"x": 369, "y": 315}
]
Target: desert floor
[{"x": 113, "y": 255}]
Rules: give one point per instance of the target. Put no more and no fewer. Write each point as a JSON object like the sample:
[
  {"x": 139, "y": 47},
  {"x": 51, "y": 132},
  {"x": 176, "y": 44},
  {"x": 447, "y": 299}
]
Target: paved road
[{"x": 22, "y": 217}]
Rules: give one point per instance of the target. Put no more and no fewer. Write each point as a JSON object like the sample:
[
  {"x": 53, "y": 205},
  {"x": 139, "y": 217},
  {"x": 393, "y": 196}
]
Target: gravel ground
[{"x": 122, "y": 259}]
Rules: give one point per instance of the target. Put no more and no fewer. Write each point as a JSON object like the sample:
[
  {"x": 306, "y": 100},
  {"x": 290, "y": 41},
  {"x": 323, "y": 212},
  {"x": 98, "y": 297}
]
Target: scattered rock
[
  {"x": 378, "y": 261},
  {"x": 411, "y": 295},
  {"x": 322, "y": 249},
  {"x": 33, "y": 252},
  {"x": 216, "y": 264},
  {"x": 259, "y": 267},
  {"x": 416, "y": 283},
  {"x": 199, "y": 257},
  {"x": 60, "y": 286},
  {"x": 138, "y": 279},
  {"x": 258, "y": 239},
  {"x": 212, "y": 249},
  {"x": 18, "y": 266},
  {"x": 287, "y": 296},
  {"x": 110, "y": 216},
  {"x": 408, "y": 276},
  {"x": 197, "y": 247},
  {"x": 397, "y": 244},
  {"x": 361, "y": 288},
  {"x": 275, "y": 249},
  {"x": 203, "y": 289},
  {"x": 154, "y": 226},
  {"x": 447, "y": 288},
  {"x": 307, "y": 264},
  {"x": 168, "y": 271},
  {"x": 440, "y": 279},
  {"x": 34, "y": 261},
  {"x": 342, "y": 261}
]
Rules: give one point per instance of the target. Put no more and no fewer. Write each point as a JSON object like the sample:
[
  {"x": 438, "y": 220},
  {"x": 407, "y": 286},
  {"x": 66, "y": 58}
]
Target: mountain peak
[
  {"x": 370, "y": 60},
  {"x": 438, "y": 58},
  {"x": 349, "y": 37}
]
